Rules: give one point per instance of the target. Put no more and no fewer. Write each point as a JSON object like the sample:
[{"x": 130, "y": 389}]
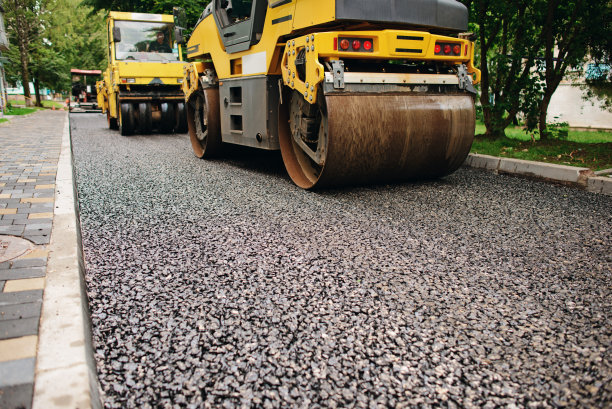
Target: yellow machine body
[
  {"x": 141, "y": 80},
  {"x": 330, "y": 53}
]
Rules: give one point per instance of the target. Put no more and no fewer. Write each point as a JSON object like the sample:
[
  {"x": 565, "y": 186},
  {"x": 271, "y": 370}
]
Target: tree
[
  {"x": 193, "y": 9},
  {"x": 49, "y": 38},
  {"x": 47, "y": 68},
  {"x": 571, "y": 31},
  {"x": 599, "y": 72},
  {"x": 25, "y": 21},
  {"x": 526, "y": 48},
  {"x": 507, "y": 46},
  {"x": 77, "y": 38}
]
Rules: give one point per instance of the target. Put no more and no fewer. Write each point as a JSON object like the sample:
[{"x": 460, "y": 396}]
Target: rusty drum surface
[{"x": 372, "y": 138}]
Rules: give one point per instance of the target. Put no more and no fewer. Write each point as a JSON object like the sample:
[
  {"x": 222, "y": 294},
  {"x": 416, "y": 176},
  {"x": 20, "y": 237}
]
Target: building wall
[{"x": 568, "y": 105}]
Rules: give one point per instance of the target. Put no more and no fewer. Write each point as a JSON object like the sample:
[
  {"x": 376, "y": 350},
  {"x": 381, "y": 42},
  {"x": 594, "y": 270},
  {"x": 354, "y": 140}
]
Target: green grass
[
  {"x": 46, "y": 104},
  {"x": 20, "y": 111},
  {"x": 580, "y": 148},
  {"x": 518, "y": 133},
  {"x": 3, "y": 120}
]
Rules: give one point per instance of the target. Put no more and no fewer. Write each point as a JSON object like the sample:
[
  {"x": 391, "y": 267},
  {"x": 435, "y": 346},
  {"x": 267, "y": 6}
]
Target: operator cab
[
  {"x": 240, "y": 22},
  {"x": 145, "y": 41}
]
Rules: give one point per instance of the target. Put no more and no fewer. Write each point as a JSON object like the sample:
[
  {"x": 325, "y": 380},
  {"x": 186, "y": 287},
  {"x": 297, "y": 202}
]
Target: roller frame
[{"x": 320, "y": 47}]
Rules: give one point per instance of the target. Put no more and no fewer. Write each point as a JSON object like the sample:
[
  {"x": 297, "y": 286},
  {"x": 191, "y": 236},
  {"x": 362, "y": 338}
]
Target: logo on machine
[{"x": 193, "y": 49}]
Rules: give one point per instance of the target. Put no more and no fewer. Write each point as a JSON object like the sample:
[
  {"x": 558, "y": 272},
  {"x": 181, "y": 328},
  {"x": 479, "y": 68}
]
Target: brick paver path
[{"x": 29, "y": 153}]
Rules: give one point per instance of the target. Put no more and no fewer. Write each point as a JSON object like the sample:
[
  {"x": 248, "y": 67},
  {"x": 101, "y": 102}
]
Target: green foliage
[
  {"x": 53, "y": 36},
  {"x": 600, "y": 91},
  {"x": 559, "y": 130},
  {"x": 13, "y": 65},
  {"x": 78, "y": 40},
  {"x": 596, "y": 156},
  {"x": 506, "y": 50},
  {"x": 599, "y": 87},
  {"x": 571, "y": 31},
  {"x": 25, "y": 23},
  {"x": 479, "y": 114},
  {"x": 524, "y": 49},
  {"x": 193, "y": 9},
  {"x": 519, "y": 133}
]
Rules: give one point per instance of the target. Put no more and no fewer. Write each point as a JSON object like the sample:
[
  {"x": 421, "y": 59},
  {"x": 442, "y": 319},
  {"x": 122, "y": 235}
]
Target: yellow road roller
[
  {"x": 141, "y": 88},
  {"x": 350, "y": 91}
]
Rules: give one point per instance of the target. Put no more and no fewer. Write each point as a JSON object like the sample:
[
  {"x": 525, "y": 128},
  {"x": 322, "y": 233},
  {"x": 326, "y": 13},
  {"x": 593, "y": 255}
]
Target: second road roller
[
  {"x": 350, "y": 91},
  {"x": 141, "y": 88}
]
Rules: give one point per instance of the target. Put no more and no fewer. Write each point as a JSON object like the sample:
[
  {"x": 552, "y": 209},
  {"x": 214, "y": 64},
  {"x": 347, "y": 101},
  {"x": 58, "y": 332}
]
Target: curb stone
[
  {"x": 66, "y": 374},
  {"x": 487, "y": 162},
  {"x": 583, "y": 177},
  {"x": 600, "y": 184}
]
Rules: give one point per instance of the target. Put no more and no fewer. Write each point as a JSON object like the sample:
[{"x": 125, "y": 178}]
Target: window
[
  {"x": 145, "y": 41},
  {"x": 233, "y": 11},
  {"x": 596, "y": 72}
]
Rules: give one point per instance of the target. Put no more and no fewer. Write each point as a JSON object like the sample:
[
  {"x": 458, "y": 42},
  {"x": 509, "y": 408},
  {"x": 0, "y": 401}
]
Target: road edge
[
  {"x": 582, "y": 177},
  {"x": 66, "y": 374}
]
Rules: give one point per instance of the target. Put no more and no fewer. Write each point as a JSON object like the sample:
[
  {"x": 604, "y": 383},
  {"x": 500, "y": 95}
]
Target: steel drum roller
[{"x": 370, "y": 138}]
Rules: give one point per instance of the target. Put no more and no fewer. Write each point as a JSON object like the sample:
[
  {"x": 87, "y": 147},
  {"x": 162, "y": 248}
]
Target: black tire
[
  {"x": 204, "y": 122},
  {"x": 145, "y": 122},
  {"x": 126, "y": 119},
  {"x": 168, "y": 117},
  {"x": 181, "y": 118}
]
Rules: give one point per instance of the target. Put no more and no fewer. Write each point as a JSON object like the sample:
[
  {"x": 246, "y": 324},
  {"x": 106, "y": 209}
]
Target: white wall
[{"x": 567, "y": 104}]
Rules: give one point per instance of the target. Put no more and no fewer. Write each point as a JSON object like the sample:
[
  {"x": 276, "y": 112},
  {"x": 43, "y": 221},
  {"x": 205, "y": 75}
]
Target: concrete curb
[
  {"x": 583, "y": 177},
  {"x": 66, "y": 375},
  {"x": 600, "y": 184}
]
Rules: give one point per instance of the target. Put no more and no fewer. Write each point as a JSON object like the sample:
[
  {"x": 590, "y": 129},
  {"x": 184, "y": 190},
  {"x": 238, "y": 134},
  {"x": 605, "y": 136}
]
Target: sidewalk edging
[
  {"x": 600, "y": 184},
  {"x": 582, "y": 177},
  {"x": 66, "y": 374}
]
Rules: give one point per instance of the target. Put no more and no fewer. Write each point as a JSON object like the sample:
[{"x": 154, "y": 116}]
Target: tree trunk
[
  {"x": 549, "y": 53},
  {"x": 25, "y": 75},
  {"x": 543, "y": 113},
  {"x": 37, "y": 91},
  {"x": 484, "y": 79}
]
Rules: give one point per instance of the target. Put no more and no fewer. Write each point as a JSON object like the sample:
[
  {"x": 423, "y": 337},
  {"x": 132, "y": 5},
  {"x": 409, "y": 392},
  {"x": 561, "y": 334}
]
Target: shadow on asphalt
[
  {"x": 270, "y": 163},
  {"x": 256, "y": 160}
]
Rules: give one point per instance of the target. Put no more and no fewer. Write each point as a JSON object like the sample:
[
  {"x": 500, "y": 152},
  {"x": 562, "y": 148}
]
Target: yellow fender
[
  {"x": 470, "y": 66},
  {"x": 315, "y": 72},
  {"x": 191, "y": 76}
]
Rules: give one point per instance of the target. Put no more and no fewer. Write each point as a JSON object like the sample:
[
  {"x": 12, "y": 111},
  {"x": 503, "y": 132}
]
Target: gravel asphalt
[{"x": 219, "y": 284}]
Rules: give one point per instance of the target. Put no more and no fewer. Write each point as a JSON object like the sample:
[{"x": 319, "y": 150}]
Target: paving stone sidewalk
[{"x": 29, "y": 153}]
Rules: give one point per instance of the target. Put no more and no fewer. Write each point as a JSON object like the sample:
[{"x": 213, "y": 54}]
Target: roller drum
[{"x": 374, "y": 138}]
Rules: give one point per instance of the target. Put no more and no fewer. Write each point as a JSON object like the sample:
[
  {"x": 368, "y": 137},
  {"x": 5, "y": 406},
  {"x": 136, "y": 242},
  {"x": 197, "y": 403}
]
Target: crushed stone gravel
[{"x": 219, "y": 284}]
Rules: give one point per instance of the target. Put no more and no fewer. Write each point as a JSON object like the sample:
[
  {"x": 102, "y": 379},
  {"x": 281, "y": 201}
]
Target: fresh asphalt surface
[{"x": 221, "y": 284}]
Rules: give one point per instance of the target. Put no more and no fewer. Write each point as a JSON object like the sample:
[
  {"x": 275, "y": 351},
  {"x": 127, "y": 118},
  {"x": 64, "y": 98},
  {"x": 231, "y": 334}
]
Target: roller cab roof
[{"x": 121, "y": 15}]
